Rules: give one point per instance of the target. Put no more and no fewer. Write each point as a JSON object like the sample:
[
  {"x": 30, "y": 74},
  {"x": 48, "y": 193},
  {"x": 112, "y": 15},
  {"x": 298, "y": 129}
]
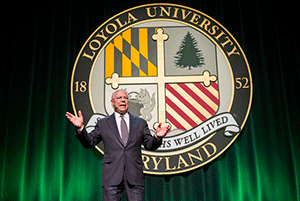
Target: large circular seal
[{"x": 179, "y": 67}]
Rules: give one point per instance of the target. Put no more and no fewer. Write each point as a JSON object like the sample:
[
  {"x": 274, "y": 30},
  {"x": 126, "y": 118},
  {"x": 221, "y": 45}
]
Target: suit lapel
[
  {"x": 133, "y": 121},
  {"x": 113, "y": 125}
]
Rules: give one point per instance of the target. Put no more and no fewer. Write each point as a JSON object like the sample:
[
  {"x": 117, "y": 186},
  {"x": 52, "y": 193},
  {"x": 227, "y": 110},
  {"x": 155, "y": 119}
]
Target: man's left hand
[{"x": 162, "y": 131}]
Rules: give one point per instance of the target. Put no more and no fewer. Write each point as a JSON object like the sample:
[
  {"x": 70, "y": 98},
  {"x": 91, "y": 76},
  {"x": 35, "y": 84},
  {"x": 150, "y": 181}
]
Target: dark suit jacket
[{"x": 120, "y": 160}]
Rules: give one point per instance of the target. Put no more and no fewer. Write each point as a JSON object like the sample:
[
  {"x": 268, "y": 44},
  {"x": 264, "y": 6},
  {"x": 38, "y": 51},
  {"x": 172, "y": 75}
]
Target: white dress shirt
[{"x": 118, "y": 121}]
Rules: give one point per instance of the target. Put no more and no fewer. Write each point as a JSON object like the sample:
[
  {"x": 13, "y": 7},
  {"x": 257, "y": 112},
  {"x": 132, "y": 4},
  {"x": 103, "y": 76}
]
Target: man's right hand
[{"x": 76, "y": 121}]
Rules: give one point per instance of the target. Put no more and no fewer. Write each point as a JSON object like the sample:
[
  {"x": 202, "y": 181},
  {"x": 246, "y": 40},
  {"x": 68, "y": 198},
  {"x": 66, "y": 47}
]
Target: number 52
[{"x": 242, "y": 82}]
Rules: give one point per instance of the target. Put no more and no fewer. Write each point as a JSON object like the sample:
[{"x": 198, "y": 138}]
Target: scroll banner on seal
[{"x": 222, "y": 121}]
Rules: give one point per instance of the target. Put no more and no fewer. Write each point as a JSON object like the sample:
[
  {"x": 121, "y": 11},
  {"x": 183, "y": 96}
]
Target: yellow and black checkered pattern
[{"x": 132, "y": 54}]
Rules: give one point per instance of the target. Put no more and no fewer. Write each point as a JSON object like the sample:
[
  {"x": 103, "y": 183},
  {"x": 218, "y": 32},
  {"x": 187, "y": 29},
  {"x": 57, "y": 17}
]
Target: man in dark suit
[{"x": 122, "y": 162}]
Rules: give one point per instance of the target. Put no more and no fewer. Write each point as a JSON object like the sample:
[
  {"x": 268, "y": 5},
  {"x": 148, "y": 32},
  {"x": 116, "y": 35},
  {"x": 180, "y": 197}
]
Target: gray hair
[{"x": 113, "y": 94}]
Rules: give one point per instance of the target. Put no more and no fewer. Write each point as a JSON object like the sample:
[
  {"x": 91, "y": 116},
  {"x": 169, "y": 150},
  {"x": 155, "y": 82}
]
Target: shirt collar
[{"x": 117, "y": 115}]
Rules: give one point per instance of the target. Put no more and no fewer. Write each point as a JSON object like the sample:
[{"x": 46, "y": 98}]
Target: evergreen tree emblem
[{"x": 189, "y": 55}]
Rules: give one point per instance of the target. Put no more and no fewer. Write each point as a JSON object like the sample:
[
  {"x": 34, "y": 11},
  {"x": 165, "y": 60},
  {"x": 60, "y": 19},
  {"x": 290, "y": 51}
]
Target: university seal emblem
[{"x": 179, "y": 67}]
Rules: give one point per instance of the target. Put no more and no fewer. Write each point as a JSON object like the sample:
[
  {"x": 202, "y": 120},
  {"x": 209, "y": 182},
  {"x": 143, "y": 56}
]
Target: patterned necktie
[{"x": 124, "y": 130}]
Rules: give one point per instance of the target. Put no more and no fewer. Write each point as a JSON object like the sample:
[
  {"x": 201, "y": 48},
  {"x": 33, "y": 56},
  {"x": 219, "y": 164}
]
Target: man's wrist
[
  {"x": 79, "y": 129},
  {"x": 157, "y": 137}
]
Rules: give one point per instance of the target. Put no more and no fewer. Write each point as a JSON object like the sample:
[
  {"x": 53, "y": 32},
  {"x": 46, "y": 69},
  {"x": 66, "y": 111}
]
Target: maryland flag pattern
[{"x": 131, "y": 54}]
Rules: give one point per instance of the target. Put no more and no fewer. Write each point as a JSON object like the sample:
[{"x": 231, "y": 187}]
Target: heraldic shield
[{"x": 169, "y": 73}]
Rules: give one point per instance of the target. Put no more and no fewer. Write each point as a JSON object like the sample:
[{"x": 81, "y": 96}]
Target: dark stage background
[{"x": 42, "y": 160}]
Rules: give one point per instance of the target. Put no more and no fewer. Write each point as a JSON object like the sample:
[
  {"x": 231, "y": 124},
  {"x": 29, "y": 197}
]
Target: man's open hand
[
  {"x": 76, "y": 121},
  {"x": 161, "y": 131}
]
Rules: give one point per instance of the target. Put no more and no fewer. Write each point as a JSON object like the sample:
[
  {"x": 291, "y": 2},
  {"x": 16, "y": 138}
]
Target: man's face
[{"x": 120, "y": 102}]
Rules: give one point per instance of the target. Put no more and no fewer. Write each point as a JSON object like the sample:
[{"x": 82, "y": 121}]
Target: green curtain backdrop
[{"x": 41, "y": 159}]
